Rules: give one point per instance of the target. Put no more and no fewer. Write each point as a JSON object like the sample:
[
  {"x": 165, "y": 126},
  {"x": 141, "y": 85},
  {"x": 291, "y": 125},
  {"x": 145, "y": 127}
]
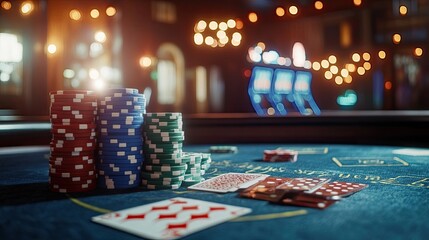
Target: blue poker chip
[
  {"x": 105, "y": 122},
  {"x": 120, "y": 153},
  {"x": 112, "y": 107},
  {"x": 118, "y": 166},
  {"x": 106, "y": 184},
  {"x": 108, "y": 160},
  {"x": 136, "y": 158},
  {"x": 132, "y": 146},
  {"x": 121, "y": 179},
  {"x": 110, "y": 172},
  {"x": 111, "y": 140},
  {"x": 137, "y": 98},
  {"x": 117, "y": 116},
  {"x": 120, "y": 110},
  {"x": 121, "y": 90},
  {"x": 121, "y": 126}
]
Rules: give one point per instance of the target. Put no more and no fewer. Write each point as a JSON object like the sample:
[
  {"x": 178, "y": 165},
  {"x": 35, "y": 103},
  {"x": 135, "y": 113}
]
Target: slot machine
[
  {"x": 259, "y": 89},
  {"x": 281, "y": 93},
  {"x": 303, "y": 97}
]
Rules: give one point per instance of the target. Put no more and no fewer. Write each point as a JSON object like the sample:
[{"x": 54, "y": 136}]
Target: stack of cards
[
  {"x": 306, "y": 192},
  {"x": 228, "y": 182},
  {"x": 170, "y": 219}
]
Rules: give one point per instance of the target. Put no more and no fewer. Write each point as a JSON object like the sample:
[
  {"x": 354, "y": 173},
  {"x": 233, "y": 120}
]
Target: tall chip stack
[
  {"x": 120, "y": 142},
  {"x": 163, "y": 167},
  {"x": 71, "y": 162}
]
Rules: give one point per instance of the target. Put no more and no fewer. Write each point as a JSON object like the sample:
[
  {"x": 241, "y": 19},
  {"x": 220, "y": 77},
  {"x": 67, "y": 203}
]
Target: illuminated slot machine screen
[
  {"x": 259, "y": 89},
  {"x": 302, "y": 82},
  {"x": 303, "y": 95},
  {"x": 281, "y": 93}
]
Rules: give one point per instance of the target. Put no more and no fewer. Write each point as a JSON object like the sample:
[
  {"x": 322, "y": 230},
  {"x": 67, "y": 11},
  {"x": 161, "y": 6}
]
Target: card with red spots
[{"x": 170, "y": 219}]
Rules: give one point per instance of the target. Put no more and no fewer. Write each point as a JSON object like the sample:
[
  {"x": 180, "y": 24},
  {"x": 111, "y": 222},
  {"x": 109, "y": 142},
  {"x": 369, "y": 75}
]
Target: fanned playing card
[
  {"x": 266, "y": 189},
  {"x": 228, "y": 182},
  {"x": 340, "y": 189},
  {"x": 303, "y": 184},
  {"x": 170, "y": 219}
]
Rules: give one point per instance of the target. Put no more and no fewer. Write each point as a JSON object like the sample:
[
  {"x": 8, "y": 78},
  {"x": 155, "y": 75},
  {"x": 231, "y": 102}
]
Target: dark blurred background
[{"x": 197, "y": 56}]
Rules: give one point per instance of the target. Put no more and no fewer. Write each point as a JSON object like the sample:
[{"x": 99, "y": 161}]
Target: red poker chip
[
  {"x": 72, "y": 175},
  {"x": 74, "y": 128},
  {"x": 280, "y": 155},
  {"x": 69, "y": 144},
  {"x": 75, "y": 167},
  {"x": 71, "y": 159},
  {"x": 72, "y": 100},
  {"x": 73, "y": 180},
  {"x": 55, "y": 154},
  {"x": 62, "y": 119},
  {"x": 73, "y": 188},
  {"x": 74, "y": 132},
  {"x": 89, "y": 104},
  {"x": 71, "y": 113},
  {"x": 72, "y": 121},
  {"x": 81, "y": 134},
  {"x": 71, "y": 138},
  {"x": 69, "y": 108},
  {"x": 66, "y": 92},
  {"x": 72, "y": 149},
  {"x": 72, "y": 165},
  {"x": 66, "y": 183}
]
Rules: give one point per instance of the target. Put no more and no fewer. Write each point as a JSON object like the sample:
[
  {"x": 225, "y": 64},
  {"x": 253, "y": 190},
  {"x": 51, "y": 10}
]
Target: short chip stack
[
  {"x": 280, "y": 155},
  {"x": 163, "y": 167},
  {"x": 71, "y": 162},
  {"x": 120, "y": 142}
]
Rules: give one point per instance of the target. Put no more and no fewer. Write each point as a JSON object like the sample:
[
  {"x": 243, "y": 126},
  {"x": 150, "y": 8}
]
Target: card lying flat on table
[
  {"x": 228, "y": 182},
  {"x": 170, "y": 219}
]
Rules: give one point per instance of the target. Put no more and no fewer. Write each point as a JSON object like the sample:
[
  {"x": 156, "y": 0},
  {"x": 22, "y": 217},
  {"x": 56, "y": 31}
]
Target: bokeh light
[
  {"x": 253, "y": 17},
  {"x": 293, "y": 10},
  {"x": 75, "y": 15},
  {"x": 27, "y": 7},
  {"x": 94, "y": 13},
  {"x": 382, "y": 54},
  {"x": 318, "y": 5},
  {"x": 280, "y": 11},
  {"x": 110, "y": 11}
]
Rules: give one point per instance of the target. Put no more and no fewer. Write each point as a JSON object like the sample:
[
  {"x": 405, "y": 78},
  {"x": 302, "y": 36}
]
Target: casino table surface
[{"x": 395, "y": 205}]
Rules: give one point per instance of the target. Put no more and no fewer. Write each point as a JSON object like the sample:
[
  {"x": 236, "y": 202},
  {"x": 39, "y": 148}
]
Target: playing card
[
  {"x": 340, "y": 189},
  {"x": 303, "y": 184},
  {"x": 170, "y": 219},
  {"x": 228, "y": 182},
  {"x": 306, "y": 200},
  {"x": 266, "y": 189}
]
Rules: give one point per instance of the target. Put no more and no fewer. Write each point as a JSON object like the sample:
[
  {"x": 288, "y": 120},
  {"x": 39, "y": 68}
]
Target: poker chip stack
[
  {"x": 198, "y": 164},
  {"x": 163, "y": 167},
  {"x": 120, "y": 142},
  {"x": 280, "y": 155},
  {"x": 71, "y": 162}
]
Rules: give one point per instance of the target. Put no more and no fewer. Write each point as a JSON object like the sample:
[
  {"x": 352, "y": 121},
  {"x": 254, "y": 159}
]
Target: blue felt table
[{"x": 394, "y": 206}]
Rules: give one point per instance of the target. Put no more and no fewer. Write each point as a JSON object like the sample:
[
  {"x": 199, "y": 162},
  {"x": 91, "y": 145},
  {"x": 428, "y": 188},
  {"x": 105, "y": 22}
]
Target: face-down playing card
[
  {"x": 170, "y": 219},
  {"x": 228, "y": 182},
  {"x": 307, "y": 192}
]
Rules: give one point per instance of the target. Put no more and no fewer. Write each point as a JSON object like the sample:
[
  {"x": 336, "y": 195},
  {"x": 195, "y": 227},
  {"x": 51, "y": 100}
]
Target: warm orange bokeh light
[
  {"x": 280, "y": 11},
  {"x": 253, "y": 17},
  {"x": 388, "y": 85}
]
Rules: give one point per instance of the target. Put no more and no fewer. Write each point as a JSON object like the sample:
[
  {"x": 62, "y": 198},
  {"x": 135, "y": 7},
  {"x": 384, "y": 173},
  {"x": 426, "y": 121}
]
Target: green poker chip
[
  {"x": 164, "y": 168},
  {"x": 163, "y": 115},
  {"x": 172, "y": 162},
  {"x": 163, "y": 145},
  {"x": 175, "y": 173},
  {"x": 160, "y": 187},
  {"x": 190, "y": 182},
  {"x": 161, "y": 177},
  {"x": 170, "y": 156},
  {"x": 161, "y": 182},
  {"x": 163, "y": 151}
]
